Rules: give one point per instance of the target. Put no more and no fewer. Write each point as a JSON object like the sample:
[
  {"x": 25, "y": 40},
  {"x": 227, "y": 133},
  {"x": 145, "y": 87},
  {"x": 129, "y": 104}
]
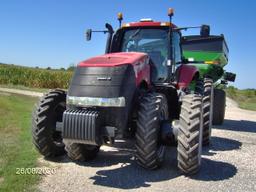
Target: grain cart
[
  {"x": 139, "y": 90},
  {"x": 209, "y": 53}
]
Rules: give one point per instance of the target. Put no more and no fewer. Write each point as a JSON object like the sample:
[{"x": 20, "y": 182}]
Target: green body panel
[
  {"x": 209, "y": 70},
  {"x": 206, "y": 56}
]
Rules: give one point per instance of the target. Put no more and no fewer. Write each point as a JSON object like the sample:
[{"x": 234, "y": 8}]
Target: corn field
[{"x": 34, "y": 77}]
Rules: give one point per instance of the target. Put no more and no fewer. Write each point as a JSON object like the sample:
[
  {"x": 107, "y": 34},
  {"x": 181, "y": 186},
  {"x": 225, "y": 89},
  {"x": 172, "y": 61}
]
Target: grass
[
  {"x": 246, "y": 99},
  {"x": 249, "y": 105},
  {"x": 16, "y": 149}
]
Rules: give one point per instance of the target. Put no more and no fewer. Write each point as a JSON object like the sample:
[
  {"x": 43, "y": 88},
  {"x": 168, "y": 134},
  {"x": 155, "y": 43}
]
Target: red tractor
[{"x": 139, "y": 91}]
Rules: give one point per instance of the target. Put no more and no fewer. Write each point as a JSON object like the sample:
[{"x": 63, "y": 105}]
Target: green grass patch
[
  {"x": 249, "y": 105},
  {"x": 246, "y": 98},
  {"x": 16, "y": 149}
]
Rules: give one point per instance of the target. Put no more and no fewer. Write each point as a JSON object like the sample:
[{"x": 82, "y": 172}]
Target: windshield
[{"x": 154, "y": 42}]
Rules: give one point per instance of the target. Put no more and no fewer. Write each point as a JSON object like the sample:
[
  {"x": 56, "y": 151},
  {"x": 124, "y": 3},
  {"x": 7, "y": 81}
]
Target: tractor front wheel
[
  {"x": 152, "y": 111},
  {"x": 48, "y": 111},
  {"x": 81, "y": 152}
]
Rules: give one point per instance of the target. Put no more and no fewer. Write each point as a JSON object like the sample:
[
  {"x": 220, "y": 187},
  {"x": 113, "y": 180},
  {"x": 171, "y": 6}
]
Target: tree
[{"x": 71, "y": 67}]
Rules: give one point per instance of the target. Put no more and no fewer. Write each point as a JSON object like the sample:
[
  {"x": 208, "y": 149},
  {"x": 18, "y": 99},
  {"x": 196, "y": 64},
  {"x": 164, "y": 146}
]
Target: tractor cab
[
  {"x": 152, "y": 38},
  {"x": 159, "y": 40}
]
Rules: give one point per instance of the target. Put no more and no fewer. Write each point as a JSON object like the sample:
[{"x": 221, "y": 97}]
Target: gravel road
[
  {"x": 228, "y": 164},
  {"x": 22, "y": 92}
]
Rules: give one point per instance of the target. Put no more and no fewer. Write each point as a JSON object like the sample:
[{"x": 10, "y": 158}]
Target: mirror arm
[{"x": 103, "y": 31}]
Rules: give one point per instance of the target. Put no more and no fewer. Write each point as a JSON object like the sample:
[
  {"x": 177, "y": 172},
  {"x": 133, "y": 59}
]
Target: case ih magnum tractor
[{"x": 139, "y": 91}]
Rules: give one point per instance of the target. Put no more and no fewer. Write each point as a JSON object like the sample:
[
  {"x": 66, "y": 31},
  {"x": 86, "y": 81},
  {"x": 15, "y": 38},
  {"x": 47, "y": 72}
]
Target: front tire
[
  {"x": 190, "y": 134},
  {"x": 152, "y": 111},
  {"x": 47, "y": 112},
  {"x": 81, "y": 152}
]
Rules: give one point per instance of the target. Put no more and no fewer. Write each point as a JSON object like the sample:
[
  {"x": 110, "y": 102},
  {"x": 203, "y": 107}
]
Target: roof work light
[
  {"x": 170, "y": 12},
  {"x": 120, "y": 18}
]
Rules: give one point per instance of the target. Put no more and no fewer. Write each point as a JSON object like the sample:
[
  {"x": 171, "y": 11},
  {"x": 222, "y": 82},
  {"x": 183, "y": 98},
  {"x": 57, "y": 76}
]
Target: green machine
[{"x": 209, "y": 53}]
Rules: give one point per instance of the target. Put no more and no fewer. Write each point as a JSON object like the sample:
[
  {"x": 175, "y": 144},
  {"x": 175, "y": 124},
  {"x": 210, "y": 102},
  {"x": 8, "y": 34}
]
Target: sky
[{"x": 50, "y": 33}]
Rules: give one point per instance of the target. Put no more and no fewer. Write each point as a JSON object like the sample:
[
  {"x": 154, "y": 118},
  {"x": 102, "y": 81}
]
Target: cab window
[
  {"x": 176, "y": 47},
  {"x": 154, "y": 42}
]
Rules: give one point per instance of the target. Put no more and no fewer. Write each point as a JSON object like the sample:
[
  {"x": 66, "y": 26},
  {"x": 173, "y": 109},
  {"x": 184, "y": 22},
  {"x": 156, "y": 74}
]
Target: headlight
[{"x": 96, "y": 101}]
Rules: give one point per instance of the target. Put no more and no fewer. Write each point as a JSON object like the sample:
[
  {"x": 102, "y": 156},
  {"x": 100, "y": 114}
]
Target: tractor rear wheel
[
  {"x": 207, "y": 110},
  {"x": 48, "y": 111},
  {"x": 219, "y": 106},
  {"x": 81, "y": 152},
  {"x": 190, "y": 134},
  {"x": 152, "y": 111}
]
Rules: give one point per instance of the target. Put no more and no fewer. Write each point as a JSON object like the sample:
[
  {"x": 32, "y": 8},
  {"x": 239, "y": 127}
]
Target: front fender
[
  {"x": 142, "y": 71},
  {"x": 186, "y": 73}
]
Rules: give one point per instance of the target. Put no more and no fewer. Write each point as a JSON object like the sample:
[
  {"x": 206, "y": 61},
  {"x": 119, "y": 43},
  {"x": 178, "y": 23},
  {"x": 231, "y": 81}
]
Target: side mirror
[
  {"x": 205, "y": 30},
  {"x": 88, "y": 34},
  {"x": 230, "y": 76}
]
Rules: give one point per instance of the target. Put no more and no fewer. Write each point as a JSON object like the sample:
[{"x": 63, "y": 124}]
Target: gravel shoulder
[
  {"x": 228, "y": 164},
  {"x": 21, "y": 92}
]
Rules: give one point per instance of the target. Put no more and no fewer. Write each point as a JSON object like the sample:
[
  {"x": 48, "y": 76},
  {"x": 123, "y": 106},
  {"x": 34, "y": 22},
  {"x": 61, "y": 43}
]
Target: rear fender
[{"x": 186, "y": 73}]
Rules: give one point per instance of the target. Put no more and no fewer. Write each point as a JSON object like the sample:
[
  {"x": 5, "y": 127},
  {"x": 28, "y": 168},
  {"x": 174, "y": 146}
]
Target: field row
[{"x": 33, "y": 77}]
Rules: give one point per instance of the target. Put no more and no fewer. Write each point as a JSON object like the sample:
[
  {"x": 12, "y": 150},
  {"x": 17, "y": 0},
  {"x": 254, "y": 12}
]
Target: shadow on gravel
[
  {"x": 236, "y": 125},
  {"x": 131, "y": 176},
  {"x": 224, "y": 144},
  {"x": 221, "y": 144},
  {"x": 215, "y": 171}
]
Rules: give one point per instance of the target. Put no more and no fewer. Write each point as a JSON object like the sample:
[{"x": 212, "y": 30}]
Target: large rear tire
[
  {"x": 152, "y": 111},
  {"x": 207, "y": 110},
  {"x": 219, "y": 107},
  {"x": 190, "y": 134},
  {"x": 81, "y": 152},
  {"x": 48, "y": 111}
]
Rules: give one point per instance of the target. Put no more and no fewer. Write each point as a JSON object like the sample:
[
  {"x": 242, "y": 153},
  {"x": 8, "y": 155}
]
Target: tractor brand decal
[{"x": 104, "y": 78}]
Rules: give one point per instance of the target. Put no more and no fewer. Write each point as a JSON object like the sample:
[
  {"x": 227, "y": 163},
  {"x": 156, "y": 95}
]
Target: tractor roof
[{"x": 148, "y": 23}]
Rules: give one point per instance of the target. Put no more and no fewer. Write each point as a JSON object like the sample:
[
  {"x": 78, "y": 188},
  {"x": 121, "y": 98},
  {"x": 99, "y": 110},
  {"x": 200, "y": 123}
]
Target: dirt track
[{"x": 229, "y": 164}]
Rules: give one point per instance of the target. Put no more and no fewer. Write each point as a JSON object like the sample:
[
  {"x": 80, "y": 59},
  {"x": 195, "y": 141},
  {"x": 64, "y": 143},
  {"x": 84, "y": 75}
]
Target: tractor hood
[
  {"x": 108, "y": 81},
  {"x": 107, "y": 76},
  {"x": 114, "y": 59}
]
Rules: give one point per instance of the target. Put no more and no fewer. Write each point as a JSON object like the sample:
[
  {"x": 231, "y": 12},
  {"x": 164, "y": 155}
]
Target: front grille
[
  {"x": 82, "y": 126},
  {"x": 87, "y": 81}
]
